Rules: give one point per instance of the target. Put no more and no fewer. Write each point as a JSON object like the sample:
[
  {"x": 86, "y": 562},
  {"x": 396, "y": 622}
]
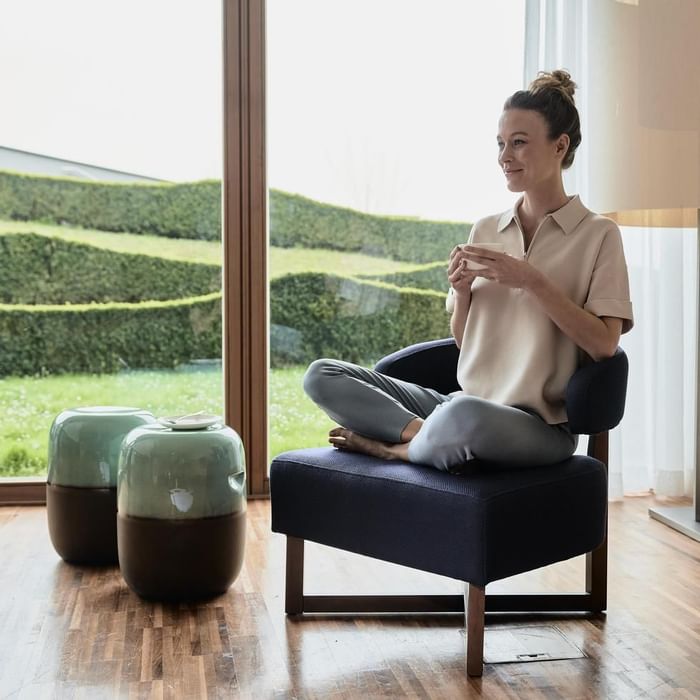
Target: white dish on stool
[{"x": 191, "y": 421}]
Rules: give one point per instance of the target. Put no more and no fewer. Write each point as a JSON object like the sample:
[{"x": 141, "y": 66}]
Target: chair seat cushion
[{"x": 481, "y": 525}]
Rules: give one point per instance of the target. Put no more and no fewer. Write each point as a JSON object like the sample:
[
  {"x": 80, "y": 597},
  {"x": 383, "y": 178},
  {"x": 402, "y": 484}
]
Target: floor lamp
[{"x": 644, "y": 122}]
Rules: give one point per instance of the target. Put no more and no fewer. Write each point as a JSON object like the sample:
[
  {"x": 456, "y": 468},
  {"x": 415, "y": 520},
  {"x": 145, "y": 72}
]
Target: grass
[
  {"x": 281, "y": 261},
  {"x": 284, "y": 261},
  {"x": 28, "y": 406},
  {"x": 170, "y": 248},
  {"x": 294, "y": 420}
]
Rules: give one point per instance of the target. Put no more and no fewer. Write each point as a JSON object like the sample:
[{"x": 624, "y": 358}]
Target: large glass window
[
  {"x": 110, "y": 213},
  {"x": 382, "y": 121}
]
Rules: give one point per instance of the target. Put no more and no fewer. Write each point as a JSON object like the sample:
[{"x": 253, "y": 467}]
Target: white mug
[{"x": 497, "y": 247}]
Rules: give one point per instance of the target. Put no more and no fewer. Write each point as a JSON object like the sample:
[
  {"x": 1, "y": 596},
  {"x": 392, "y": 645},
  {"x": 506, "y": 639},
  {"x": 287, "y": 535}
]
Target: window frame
[
  {"x": 244, "y": 236},
  {"x": 246, "y": 345}
]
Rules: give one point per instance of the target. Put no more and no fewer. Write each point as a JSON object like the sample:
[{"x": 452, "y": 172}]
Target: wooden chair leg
[
  {"x": 294, "y": 581},
  {"x": 597, "y": 576},
  {"x": 597, "y": 560},
  {"x": 474, "y": 608}
]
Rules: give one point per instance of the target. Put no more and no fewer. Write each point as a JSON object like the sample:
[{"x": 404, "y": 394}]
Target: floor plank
[{"x": 79, "y": 632}]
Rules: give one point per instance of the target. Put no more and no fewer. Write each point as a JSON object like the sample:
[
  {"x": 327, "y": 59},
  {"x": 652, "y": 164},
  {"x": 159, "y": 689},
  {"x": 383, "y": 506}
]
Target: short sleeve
[
  {"x": 609, "y": 290},
  {"x": 450, "y": 298}
]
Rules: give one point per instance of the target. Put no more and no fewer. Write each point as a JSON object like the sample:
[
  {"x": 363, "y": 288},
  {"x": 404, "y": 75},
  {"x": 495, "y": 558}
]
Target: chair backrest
[
  {"x": 595, "y": 395},
  {"x": 432, "y": 364}
]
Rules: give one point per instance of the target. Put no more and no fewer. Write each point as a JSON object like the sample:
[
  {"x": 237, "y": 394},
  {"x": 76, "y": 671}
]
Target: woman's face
[{"x": 529, "y": 160}]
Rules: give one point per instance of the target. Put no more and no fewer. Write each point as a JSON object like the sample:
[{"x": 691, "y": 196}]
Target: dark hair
[{"x": 552, "y": 95}]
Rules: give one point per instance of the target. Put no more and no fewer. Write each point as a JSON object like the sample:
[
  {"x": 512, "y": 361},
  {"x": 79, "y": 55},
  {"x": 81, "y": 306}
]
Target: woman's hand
[
  {"x": 596, "y": 336},
  {"x": 459, "y": 277},
  {"x": 502, "y": 268}
]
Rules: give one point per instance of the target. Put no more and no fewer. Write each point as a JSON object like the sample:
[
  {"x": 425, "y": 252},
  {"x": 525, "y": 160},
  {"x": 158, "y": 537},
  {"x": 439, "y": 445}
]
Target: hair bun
[{"x": 559, "y": 80}]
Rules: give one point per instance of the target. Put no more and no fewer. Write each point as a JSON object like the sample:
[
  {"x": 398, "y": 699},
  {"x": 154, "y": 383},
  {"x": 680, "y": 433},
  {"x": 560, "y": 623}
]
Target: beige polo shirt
[{"x": 512, "y": 352}]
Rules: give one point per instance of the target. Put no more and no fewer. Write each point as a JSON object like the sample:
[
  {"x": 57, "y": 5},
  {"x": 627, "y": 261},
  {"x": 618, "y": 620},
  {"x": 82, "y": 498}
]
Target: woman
[{"x": 524, "y": 319}]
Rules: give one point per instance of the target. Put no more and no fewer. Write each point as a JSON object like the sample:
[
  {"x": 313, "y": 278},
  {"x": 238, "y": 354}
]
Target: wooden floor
[{"x": 69, "y": 632}]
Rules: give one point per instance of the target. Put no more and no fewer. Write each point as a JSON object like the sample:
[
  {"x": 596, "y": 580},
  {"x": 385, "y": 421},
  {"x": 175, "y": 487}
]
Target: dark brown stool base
[
  {"x": 181, "y": 559},
  {"x": 83, "y": 523}
]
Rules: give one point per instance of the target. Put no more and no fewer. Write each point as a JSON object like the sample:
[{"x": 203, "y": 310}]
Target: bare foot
[{"x": 347, "y": 440}]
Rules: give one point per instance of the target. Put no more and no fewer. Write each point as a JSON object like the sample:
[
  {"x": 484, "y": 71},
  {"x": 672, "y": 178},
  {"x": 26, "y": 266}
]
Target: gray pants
[{"x": 457, "y": 427}]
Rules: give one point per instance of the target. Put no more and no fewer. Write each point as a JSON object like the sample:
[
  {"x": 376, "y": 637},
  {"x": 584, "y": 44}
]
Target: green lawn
[
  {"x": 158, "y": 246},
  {"x": 281, "y": 261},
  {"x": 28, "y": 406},
  {"x": 284, "y": 261},
  {"x": 294, "y": 420}
]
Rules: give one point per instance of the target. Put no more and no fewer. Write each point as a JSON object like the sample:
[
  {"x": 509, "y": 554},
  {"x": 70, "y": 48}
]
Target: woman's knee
[
  {"x": 318, "y": 376},
  {"x": 482, "y": 424},
  {"x": 314, "y": 378},
  {"x": 436, "y": 451},
  {"x": 465, "y": 416},
  {"x": 448, "y": 437}
]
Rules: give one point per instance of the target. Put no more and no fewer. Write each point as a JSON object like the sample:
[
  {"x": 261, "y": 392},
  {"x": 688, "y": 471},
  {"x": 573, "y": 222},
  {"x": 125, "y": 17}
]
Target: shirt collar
[{"x": 567, "y": 217}]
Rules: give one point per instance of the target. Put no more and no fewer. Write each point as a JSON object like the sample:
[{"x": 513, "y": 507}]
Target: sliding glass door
[{"x": 381, "y": 141}]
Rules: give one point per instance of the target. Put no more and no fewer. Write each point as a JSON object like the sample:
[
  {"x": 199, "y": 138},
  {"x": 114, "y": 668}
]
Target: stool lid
[{"x": 84, "y": 444}]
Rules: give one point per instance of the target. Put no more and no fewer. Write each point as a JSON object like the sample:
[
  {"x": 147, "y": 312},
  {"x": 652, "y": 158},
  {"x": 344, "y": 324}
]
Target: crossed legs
[{"x": 393, "y": 419}]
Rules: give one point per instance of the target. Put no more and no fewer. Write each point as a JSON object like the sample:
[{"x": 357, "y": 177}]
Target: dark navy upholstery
[
  {"x": 485, "y": 523},
  {"x": 595, "y": 396},
  {"x": 476, "y": 527},
  {"x": 432, "y": 364}
]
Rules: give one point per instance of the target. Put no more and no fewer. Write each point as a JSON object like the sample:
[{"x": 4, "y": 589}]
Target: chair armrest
[
  {"x": 431, "y": 364},
  {"x": 595, "y": 395}
]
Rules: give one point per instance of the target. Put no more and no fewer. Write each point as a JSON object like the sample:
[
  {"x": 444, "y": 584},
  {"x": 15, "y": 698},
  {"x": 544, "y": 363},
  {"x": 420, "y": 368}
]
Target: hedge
[
  {"x": 38, "y": 269},
  {"x": 432, "y": 276},
  {"x": 183, "y": 210},
  {"x": 315, "y": 315},
  {"x": 312, "y": 315},
  {"x": 193, "y": 210},
  {"x": 95, "y": 338},
  {"x": 296, "y": 221}
]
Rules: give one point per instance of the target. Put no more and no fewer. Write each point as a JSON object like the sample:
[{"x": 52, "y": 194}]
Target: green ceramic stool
[
  {"x": 181, "y": 510},
  {"x": 81, "y": 488}
]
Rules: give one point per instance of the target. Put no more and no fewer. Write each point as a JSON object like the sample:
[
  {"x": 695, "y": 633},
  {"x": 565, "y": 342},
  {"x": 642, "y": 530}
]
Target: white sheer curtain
[{"x": 653, "y": 448}]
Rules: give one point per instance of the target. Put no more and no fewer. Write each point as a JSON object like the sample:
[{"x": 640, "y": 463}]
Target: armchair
[{"x": 483, "y": 524}]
